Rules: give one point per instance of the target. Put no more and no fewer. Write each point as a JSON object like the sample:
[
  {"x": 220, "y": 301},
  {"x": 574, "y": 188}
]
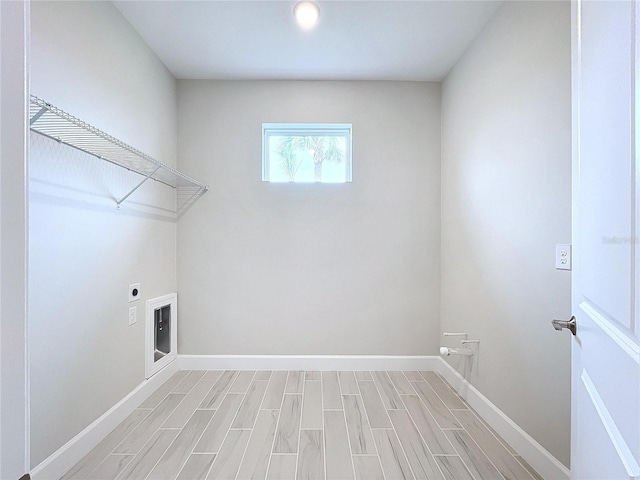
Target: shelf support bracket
[
  {"x": 136, "y": 187},
  {"x": 38, "y": 115}
]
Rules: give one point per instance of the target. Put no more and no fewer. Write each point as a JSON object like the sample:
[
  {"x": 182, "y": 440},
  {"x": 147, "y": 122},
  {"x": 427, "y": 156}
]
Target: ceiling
[{"x": 354, "y": 40}]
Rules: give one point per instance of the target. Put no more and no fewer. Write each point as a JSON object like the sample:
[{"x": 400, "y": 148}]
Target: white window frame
[{"x": 306, "y": 129}]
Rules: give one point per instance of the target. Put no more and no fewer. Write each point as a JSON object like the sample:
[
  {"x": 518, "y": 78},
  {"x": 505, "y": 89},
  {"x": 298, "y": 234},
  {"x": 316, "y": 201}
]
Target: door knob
[{"x": 560, "y": 324}]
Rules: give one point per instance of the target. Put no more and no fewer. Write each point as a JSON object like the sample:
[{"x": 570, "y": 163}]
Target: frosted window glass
[{"x": 306, "y": 153}]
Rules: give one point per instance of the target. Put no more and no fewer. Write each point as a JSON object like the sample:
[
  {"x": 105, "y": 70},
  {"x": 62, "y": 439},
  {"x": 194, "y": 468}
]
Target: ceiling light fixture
[{"x": 306, "y": 14}]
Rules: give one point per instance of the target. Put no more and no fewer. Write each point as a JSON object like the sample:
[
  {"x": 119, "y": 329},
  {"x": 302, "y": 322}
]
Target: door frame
[{"x": 14, "y": 141}]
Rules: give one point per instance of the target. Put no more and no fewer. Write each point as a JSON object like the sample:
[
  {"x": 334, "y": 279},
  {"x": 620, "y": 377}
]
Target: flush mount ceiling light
[{"x": 306, "y": 14}]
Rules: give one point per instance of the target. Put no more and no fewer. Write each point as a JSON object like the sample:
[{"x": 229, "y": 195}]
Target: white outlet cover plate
[
  {"x": 133, "y": 315},
  {"x": 563, "y": 257},
  {"x": 132, "y": 287}
]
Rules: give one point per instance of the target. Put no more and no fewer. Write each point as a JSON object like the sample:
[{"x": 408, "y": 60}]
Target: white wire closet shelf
[{"x": 57, "y": 124}]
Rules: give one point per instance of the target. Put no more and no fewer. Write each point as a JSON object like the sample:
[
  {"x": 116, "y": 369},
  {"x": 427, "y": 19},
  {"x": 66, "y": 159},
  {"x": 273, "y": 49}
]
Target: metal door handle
[{"x": 560, "y": 324}]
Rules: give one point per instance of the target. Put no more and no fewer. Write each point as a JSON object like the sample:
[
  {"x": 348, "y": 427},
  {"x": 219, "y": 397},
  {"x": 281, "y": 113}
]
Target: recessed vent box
[{"x": 160, "y": 337}]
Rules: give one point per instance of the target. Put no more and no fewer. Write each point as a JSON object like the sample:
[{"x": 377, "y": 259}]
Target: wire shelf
[{"x": 52, "y": 122}]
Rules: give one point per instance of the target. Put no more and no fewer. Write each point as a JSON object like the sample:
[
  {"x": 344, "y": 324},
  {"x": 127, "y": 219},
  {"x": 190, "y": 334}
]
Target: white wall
[
  {"x": 14, "y": 414},
  {"x": 87, "y": 60},
  {"x": 506, "y": 202},
  {"x": 310, "y": 268}
]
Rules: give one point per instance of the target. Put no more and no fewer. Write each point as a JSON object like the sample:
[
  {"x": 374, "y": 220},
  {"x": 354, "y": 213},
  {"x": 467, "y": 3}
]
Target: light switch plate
[
  {"x": 563, "y": 257},
  {"x": 133, "y": 315},
  {"x": 134, "y": 292}
]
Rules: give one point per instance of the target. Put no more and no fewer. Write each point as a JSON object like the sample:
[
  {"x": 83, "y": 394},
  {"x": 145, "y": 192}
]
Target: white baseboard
[
  {"x": 307, "y": 362},
  {"x": 58, "y": 463},
  {"x": 535, "y": 454}
]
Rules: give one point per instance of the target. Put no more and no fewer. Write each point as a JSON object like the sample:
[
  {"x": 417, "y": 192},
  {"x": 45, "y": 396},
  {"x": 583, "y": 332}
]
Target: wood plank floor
[{"x": 295, "y": 425}]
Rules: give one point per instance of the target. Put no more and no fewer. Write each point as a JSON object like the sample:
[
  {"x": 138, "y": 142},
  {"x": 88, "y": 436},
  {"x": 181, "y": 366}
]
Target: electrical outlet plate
[
  {"x": 134, "y": 292},
  {"x": 563, "y": 257},
  {"x": 133, "y": 315}
]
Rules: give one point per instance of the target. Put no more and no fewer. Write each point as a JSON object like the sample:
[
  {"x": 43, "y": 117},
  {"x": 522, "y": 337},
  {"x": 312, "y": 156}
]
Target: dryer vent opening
[{"x": 161, "y": 333}]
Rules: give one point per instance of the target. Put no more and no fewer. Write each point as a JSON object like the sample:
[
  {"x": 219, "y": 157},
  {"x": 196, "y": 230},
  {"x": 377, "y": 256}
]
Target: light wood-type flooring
[{"x": 241, "y": 425}]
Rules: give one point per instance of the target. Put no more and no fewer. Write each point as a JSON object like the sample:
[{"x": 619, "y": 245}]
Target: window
[{"x": 311, "y": 152}]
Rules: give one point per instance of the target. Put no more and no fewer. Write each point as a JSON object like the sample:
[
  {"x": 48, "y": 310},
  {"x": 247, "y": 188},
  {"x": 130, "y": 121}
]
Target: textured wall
[
  {"x": 83, "y": 252},
  {"x": 311, "y": 268},
  {"x": 506, "y": 202}
]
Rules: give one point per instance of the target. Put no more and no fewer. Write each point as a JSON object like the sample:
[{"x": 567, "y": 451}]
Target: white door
[{"x": 605, "y": 437}]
